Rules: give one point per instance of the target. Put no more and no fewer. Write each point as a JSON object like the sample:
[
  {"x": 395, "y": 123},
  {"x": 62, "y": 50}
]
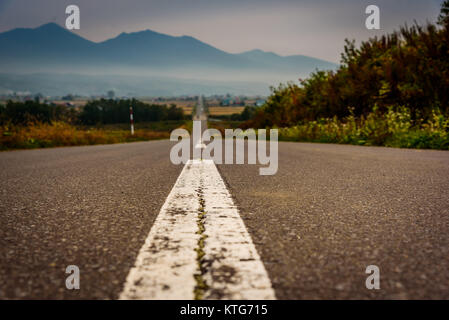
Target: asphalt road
[
  {"x": 88, "y": 206},
  {"x": 329, "y": 212},
  {"x": 332, "y": 210}
]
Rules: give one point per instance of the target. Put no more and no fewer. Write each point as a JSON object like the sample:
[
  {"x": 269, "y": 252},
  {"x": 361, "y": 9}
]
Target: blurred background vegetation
[
  {"x": 31, "y": 124},
  {"x": 391, "y": 90},
  {"x": 96, "y": 112},
  {"x": 388, "y": 91}
]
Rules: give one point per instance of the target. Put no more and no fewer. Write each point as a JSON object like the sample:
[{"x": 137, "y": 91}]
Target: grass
[
  {"x": 58, "y": 134},
  {"x": 393, "y": 129}
]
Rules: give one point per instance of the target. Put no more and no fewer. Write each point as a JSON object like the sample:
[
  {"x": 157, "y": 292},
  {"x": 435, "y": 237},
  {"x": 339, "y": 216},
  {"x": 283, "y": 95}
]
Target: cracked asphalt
[{"x": 329, "y": 212}]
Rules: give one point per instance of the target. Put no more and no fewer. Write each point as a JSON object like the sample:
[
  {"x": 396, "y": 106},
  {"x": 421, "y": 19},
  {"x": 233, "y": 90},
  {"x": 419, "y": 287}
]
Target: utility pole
[{"x": 131, "y": 118}]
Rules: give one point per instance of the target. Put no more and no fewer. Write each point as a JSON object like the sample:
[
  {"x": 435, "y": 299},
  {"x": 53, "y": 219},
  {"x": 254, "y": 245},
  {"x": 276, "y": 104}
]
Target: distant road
[{"x": 329, "y": 212}]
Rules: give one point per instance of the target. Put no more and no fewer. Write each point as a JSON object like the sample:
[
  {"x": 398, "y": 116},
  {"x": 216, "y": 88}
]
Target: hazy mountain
[
  {"x": 47, "y": 45},
  {"x": 149, "y": 48},
  {"x": 299, "y": 63},
  {"x": 53, "y": 49}
]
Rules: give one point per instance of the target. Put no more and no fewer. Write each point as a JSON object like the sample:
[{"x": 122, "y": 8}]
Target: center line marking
[{"x": 167, "y": 263}]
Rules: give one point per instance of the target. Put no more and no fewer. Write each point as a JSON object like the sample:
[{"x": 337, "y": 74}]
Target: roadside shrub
[{"x": 394, "y": 128}]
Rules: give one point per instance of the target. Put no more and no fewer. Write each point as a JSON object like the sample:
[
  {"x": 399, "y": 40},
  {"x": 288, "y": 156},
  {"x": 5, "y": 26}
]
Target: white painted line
[
  {"x": 167, "y": 262},
  {"x": 236, "y": 271}
]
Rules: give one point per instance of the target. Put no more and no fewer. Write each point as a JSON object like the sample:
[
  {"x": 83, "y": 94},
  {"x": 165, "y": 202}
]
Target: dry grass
[
  {"x": 215, "y": 110},
  {"x": 187, "y": 109},
  {"x": 42, "y": 135},
  {"x": 221, "y": 111}
]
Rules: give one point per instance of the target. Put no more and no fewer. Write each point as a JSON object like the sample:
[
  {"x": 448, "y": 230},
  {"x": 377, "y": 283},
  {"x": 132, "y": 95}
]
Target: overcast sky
[{"x": 315, "y": 28}]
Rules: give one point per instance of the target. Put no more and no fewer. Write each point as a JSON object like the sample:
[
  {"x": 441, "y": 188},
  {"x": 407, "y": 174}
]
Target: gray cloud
[{"x": 316, "y": 28}]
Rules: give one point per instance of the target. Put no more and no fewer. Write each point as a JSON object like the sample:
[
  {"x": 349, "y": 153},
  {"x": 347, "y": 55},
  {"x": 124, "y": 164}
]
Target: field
[
  {"x": 186, "y": 105},
  {"x": 216, "y": 110}
]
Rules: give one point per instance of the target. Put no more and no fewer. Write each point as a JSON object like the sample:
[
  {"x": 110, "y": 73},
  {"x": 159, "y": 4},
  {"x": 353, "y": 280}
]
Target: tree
[
  {"x": 443, "y": 18},
  {"x": 111, "y": 94},
  {"x": 407, "y": 68}
]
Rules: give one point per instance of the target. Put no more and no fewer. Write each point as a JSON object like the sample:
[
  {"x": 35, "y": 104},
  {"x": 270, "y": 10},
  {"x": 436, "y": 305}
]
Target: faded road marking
[{"x": 167, "y": 266}]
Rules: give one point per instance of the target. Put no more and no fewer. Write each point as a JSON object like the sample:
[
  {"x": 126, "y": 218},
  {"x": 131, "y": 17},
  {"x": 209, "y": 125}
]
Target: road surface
[
  {"x": 139, "y": 227},
  {"x": 330, "y": 211}
]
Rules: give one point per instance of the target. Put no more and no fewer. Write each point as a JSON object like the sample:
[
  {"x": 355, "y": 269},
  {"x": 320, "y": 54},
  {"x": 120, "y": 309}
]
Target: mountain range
[{"x": 50, "y": 52}]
